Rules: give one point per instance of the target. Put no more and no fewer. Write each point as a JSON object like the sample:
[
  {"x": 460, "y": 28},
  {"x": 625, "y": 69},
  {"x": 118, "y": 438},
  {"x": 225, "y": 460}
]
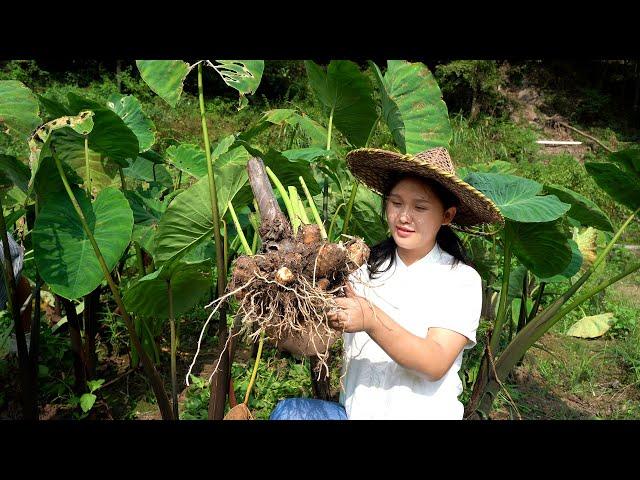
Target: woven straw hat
[{"x": 377, "y": 168}]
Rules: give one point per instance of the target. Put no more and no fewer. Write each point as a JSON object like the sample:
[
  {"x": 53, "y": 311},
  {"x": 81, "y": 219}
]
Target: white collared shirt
[{"x": 427, "y": 293}]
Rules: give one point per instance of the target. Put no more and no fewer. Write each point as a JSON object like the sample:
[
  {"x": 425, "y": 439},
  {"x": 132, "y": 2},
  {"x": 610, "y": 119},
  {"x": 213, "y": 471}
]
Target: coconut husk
[{"x": 239, "y": 412}]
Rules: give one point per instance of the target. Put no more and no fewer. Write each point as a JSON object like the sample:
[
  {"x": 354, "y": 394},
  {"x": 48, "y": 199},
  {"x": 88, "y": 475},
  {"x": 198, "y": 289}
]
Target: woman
[{"x": 412, "y": 311}]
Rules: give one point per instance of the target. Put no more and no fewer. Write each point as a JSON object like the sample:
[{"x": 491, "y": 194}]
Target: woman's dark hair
[{"x": 446, "y": 238}]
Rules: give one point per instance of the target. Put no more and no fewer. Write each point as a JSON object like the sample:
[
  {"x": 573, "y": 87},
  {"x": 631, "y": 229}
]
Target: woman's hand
[{"x": 353, "y": 313}]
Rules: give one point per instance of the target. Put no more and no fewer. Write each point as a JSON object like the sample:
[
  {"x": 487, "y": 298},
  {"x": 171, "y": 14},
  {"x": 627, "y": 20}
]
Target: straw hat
[{"x": 377, "y": 168}]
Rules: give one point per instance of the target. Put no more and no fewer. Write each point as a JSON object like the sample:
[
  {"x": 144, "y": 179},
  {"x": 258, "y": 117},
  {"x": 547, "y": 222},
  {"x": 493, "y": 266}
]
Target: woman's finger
[{"x": 348, "y": 290}]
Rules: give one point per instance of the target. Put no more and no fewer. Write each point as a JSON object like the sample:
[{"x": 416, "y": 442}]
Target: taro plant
[
  {"x": 545, "y": 251},
  {"x": 196, "y": 214},
  {"x": 79, "y": 235}
]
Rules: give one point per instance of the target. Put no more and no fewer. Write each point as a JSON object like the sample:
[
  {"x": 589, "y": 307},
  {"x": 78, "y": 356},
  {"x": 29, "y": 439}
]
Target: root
[{"x": 219, "y": 302}]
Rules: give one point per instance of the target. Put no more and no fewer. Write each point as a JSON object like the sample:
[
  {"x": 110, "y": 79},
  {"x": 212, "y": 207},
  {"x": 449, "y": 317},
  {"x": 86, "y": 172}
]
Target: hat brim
[{"x": 377, "y": 168}]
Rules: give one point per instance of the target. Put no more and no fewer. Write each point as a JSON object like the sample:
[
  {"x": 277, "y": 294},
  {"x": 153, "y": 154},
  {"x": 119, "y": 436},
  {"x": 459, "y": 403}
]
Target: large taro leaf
[
  {"x": 541, "y": 247},
  {"x": 129, "y": 109},
  {"x": 63, "y": 253},
  {"x": 412, "y": 106},
  {"x": 54, "y": 108},
  {"x": 316, "y": 133},
  {"x": 164, "y": 77},
  {"x": 146, "y": 170},
  {"x": 188, "y": 221},
  {"x": 365, "y": 219},
  {"x": 149, "y": 296},
  {"x": 629, "y": 159},
  {"x": 288, "y": 171},
  {"x": 621, "y": 185},
  {"x": 593, "y": 326},
  {"x": 309, "y": 154},
  {"x": 188, "y": 158},
  {"x": 347, "y": 92},
  {"x": 192, "y": 160},
  {"x": 19, "y": 108},
  {"x": 40, "y": 142},
  {"x": 242, "y": 75},
  {"x": 516, "y": 277},
  {"x": 13, "y": 172},
  {"x": 517, "y": 197},
  {"x": 147, "y": 211},
  {"x": 47, "y": 182},
  {"x": 110, "y": 136},
  {"x": 582, "y": 209},
  {"x": 69, "y": 148},
  {"x": 571, "y": 269}
]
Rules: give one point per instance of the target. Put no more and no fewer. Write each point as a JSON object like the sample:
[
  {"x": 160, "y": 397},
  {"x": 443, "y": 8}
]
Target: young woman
[{"x": 408, "y": 314}]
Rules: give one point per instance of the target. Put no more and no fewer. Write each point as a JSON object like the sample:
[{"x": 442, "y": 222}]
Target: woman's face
[{"x": 415, "y": 214}]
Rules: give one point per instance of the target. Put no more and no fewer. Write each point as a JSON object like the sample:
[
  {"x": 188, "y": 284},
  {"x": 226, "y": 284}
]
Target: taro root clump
[{"x": 286, "y": 289}]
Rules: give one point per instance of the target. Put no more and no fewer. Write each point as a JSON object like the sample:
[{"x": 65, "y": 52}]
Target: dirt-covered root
[{"x": 292, "y": 285}]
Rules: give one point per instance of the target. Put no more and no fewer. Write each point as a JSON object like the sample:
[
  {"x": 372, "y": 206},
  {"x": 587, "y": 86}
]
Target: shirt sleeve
[{"x": 461, "y": 311}]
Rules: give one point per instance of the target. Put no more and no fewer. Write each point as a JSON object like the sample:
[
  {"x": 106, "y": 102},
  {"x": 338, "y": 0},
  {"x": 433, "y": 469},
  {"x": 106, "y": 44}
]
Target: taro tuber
[{"x": 286, "y": 289}]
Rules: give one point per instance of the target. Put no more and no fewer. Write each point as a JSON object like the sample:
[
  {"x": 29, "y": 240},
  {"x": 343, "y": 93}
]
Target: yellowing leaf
[
  {"x": 587, "y": 243},
  {"x": 591, "y": 327}
]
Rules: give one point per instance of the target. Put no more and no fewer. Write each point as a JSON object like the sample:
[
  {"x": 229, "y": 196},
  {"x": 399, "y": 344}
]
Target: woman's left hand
[{"x": 352, "y": 312}]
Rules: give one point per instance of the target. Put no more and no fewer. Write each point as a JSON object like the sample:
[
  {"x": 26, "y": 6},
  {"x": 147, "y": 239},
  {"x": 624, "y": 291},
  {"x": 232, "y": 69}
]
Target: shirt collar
[{"x": 434, "y": 256}]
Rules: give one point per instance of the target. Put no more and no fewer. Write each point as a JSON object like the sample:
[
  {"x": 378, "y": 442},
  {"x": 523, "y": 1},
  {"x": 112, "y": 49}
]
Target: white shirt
[{"x": 427, "y": 293}]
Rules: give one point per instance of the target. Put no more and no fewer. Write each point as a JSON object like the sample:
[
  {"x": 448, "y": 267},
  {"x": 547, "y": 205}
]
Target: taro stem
[
  {"x": 14, "y": 308},
  {"x": 174, "y": 380},
  {"x": 219, "y": 388},
  {"x": 255, "y": 369},
  {"x": 151, "y": 372},
  {"x": 504, "y": 293}
]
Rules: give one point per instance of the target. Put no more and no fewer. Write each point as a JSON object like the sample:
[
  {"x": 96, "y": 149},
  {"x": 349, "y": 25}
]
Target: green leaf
[
  {"x": 288, "y": 171},
  {"x": 147, "y": 212},
  {"x": 63, "y": 253},
  {"x": 164, "y": 77},
  {"x": 188, "y": 220},
  {"x": 40, "y": 142},
  {"x": 95, "y": 384},
  {"x": 571, "y": 269},
  {"x": 412, "y": 106},
  {"x": 541, "y": 247},
  {"x": 517, "y": 197},
  {"x": 143, "y": 169},
  {"x": 629, "y": 159},
  {"x": 242, "y": 75},
  {"x": 346, "y": 91},
  {"x": 86, "y": 401},
  {"x": 365, "y": 218},
  {"x": 192, "y": 160},
  {"x": 110, "y": 136},
  {"x": 593, "y": 326},
  {"x": 54, "y": 108},
  {"x": 189, "y": 284},
  {"x": 317, "y": 133},
  {"x": 13, "y": 172},
  {"x": 130, "y": 111},
  {"x": 623, "y": 187},
  {"x": 516, "y": 277},
  {"x": 47, "y": 180},
  {"x": 308, "y": 154},
  {"x": 69, "y": 147},
  {"x": 582, "y": 209},
  {"x": 19, "y": 108}
]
